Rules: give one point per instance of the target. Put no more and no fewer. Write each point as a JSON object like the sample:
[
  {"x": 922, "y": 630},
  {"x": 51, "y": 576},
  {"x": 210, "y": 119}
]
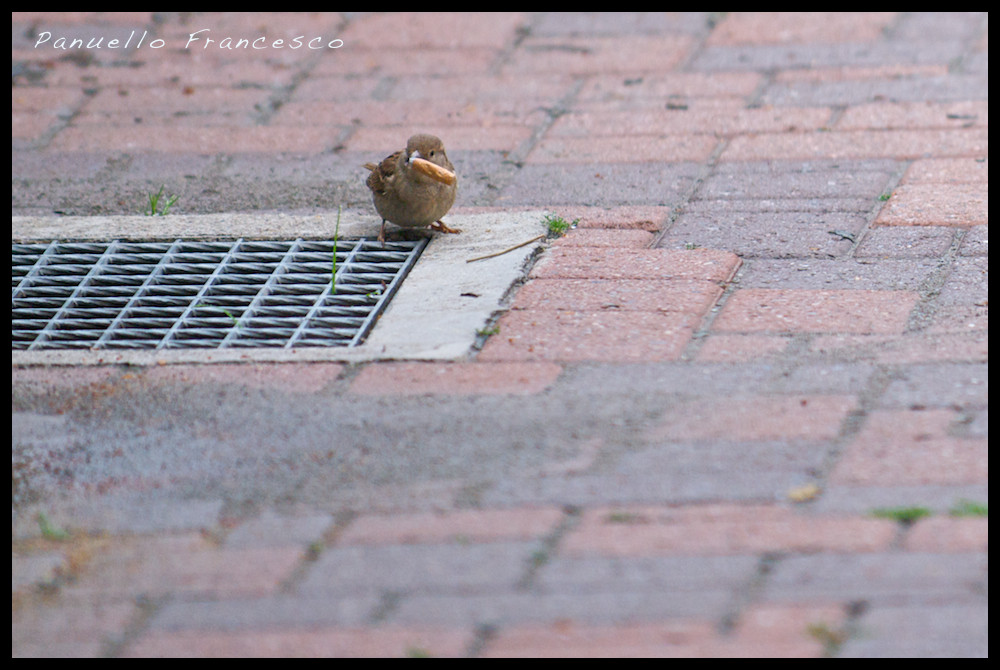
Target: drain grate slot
[{"x": 195, "y": 295}]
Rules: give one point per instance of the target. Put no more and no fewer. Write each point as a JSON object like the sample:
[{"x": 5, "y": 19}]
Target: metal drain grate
[{"x": 192, "y": 294}]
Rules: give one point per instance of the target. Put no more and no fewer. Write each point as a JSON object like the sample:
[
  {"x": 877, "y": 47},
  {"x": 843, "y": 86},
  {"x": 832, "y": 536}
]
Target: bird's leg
[
  {"x": 440, "y": 225},
  {"x": 381, "y": 234}
]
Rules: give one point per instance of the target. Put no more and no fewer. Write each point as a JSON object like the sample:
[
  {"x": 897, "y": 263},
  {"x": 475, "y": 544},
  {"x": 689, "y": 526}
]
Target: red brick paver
[
  {"x": 858, "y": 144},
  {"x": 693, "y": 296},
  {"x": 600, "y": 237},
  {"x": 455, "y": 378},
  {"x": 186, "y": 564},
  {"x": 598, "y": 54},
  {"x": 458, "y": 526},
  {"x": 940, "y": 192},
  {"x": 912, "y": 447},
  {"x": 721, "y": 529},
  {"x": 590, "y": 263},
  {"x": 295, "y": 378},
  {"x": 943, "y": 534},
  {"x": 611, "y": 303},
  {"x": 800, "y": 27},
  {"x": 679, "y": 639},
  {"x": 570, "y": 335},
  {"x": 695, "y": 148}
]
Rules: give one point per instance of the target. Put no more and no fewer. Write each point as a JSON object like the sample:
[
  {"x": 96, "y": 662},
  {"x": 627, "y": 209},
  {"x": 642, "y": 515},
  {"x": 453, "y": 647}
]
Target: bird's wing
[{"x": 382, "y": 174}]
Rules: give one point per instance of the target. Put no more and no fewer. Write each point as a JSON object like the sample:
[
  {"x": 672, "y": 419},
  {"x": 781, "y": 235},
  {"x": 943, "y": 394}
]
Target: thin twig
[{"x": 501, "y": 253}]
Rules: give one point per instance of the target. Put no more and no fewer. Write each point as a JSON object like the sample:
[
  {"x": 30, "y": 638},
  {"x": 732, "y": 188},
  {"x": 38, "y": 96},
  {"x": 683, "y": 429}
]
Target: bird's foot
[{"x": 441, "y": 226}]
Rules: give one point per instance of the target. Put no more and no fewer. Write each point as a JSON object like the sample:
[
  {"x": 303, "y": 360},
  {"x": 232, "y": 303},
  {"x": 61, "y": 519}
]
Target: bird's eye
[{"x": 432, "y": 152}]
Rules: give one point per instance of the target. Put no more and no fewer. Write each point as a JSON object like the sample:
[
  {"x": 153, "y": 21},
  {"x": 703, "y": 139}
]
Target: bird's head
[{"x": 428, "y": 147}]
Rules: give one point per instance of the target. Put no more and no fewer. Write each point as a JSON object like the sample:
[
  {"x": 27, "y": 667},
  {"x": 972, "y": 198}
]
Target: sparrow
[{"x": 414, "y": 187}]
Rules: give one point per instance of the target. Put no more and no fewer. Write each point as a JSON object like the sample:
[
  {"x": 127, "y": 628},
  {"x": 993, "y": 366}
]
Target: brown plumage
[{"x": 407, "y": 196}]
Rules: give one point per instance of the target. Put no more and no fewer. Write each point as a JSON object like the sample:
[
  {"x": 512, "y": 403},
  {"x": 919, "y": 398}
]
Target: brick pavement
[{"x": 702, "y": 422}]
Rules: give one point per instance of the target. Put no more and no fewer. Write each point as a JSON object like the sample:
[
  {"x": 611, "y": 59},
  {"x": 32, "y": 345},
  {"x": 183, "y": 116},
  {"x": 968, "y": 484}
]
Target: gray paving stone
[
  {"x": 864, "y": 499},
  {"x": 769, "y": 235},
  {"x": 767, "y": 57},
  {"x": 621, "y": 23},
  {"x": 960, "y": 300},
  {"x": 246, "y": 193},
  {"x": 879, "y": 579},
  {"x": 123, "y": 513},
  {"x": 26, "y": 571},
  {"x": 419, "y": 568},
  {"x": 924, "y": 631},
  {"x": 980, "y": 424},
  {"x": 667, "y": 574},
  {"x": 600, "y": 590},
  {"x": 482, "y": 175},
  {"x": 977, "y": 63},
  {"x": 271, "y": 530},
  {"x": 816, "y": 205},
  {"x": 940, "y": 385},
  {"x": 600, "y": 184},
  {"x": 279, "y": 611},
  {"x": 839, "y": 274},
  {"x": 647, "y": 379},
  {"x": 905, "y": 242},
  {"x": 942, "y": 25},
  {"x": 674, "y": 487},
  {"x": 265, "y": 445},
  {"x": 967, "y": 284},
  {"x": 951, "y": 88},
  {"x": 976, "y": 242},
  {"x": 797, "y": 180},
  {"x": 31, "y": 165},
  {"x": 771, "y": 461},
  {"x": 823, "y": 378},
  {"x": 600, "y": 607},
  {"x": 74, "y": 197},
  {"x": 118, "y": 184}
]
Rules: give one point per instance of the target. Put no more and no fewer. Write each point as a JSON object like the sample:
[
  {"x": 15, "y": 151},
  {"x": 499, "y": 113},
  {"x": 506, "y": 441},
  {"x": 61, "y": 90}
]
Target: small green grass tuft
[
  {"x": 50, "y": 532},
  {"x": 314, "y": 550},
  {"x": 969, "y": 508},
  {"x": 559, "y": 226},
  {"x": 418, "y": 652},
  {"x": 831, "y": 639},
  {"x": 232, "y": 317},
  {"x": 155, "y": 208},
  {"x": 904, "y": 515}
]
